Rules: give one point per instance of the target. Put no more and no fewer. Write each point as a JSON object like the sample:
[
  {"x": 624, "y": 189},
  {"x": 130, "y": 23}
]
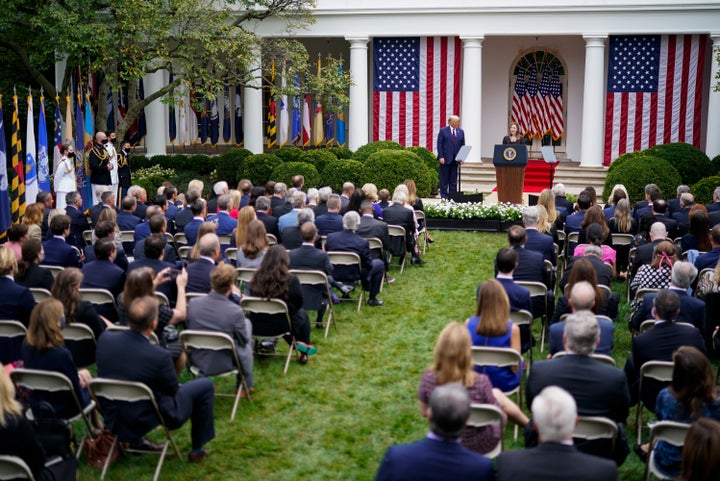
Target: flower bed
[{"x": 449, "y": 215}]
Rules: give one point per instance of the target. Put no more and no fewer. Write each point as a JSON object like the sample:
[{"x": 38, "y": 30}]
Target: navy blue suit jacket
[
  {"x": 448, "y": 147},
  {"x": 142, "y": 231},
  {"x": 531, "y": 267},
  {"x": 554, "y": 461},
  {"x": 540, "y": 242},
  {"x": 708, "y": 260},
  {"x": 78, "y": 224},
  {"x": 127, "y": 221},
  {"x": 607, "y": 336},
  {"x": 225, "y": 224},
  {"x": 692, "y": 310},
  {"x": 271, "y": 223},
  {"x": 573, "y": 222},
  {"x": 59, "y": 253},
  {"x": 433, "y": 460},
  {"x": 199, "y": 276},
  {"x": 519, "y": 296},
  {"x": 348, "y": 241},
  {"x": 121, "y": 259},
  {"x": 17, "y": 301},
  {"x": 329, "y": 222},
  {"x": 103, "y": 275},
  {"x": 191, "y": 231}
]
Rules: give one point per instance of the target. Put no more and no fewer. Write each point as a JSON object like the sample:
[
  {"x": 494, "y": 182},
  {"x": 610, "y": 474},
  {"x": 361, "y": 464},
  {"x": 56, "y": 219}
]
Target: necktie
[{"x": 453, "y": 133}]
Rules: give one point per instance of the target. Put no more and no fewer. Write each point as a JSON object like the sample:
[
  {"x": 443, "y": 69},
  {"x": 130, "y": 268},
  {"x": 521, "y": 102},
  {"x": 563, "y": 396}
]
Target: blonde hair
[
  {"x": 370, "y": 191},
  {"x": 235, "y": 199},
  {"x": 493, "y": 308},
  {"x": 34, "y": 213},
  {"x": 543, "y": 224},
  {"x": 196, "y": 184},
  {"x": 453, "y": 356},
  {"x": 8, "y": 404},
  {"x": 245, "y": 215},
  {"x": 412, "y": 191},
  {"x": 44, "y": 329},
  {"x": 8, "y": 261},
  {"x": 547, "y": 200}
]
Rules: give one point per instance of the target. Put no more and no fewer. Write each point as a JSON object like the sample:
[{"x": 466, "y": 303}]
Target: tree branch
[{"x": 36, "y": 74}]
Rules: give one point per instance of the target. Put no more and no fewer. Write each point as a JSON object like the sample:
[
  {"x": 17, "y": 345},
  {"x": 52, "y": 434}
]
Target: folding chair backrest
[
  {"x": 521, "y": 317},
  {"x": 40, "y": 294},
  {"x": 225, "y": 239},
  {"x": 162, "y": 298},
  {"x": 127, "y": 236},
  {"x": 184, "y": 251},
  {"x": 54, "y": 270},
  {"x": 194, "y": 295},
  {"x": 658, "y": 370},
  {"x": 572, "y": 237},
  {"x": 12, "y": 335},
  {"x": 50, "y": 381},
  {"x": 535, "y": 288},
  {"x": 78, "y": 332},
  {"x": 310, "y": 277},
  {"x": 272, "y": 240},
  {"x": 375, "y": 244},
  {"x": 487, "y": 415},
  {"x": 97, "y": 296},
  {"x": 622, "y": 239},
  {"x": 245, "y": 274},
  {"x": 496, "y": 356},
  {"x": 9, "y": 329},
  {"x": 598, "y": 357},
  {"x": 116, "y": 327},
  {"x": 180, "y": 239},
  {"x": 216, "y": 341},
  {"x": 87, "y": 236},
  {"x": 13, "y": 467},
  {"x": 595, "y": 427},
  {"x": 344, "y": 258},
  {"x": 231, "y": 253},
  {"x": 396, "y": 231},
  {"x": 641, "y": 293},
  {"x": 264, "y": 306},
  {"x": 315, "y": 287},
  {"x": 117, "y": 390},
  {"x": 670, "y": 431}
]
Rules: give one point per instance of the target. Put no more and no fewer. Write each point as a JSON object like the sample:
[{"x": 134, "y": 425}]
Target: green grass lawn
[{"x": 334, "y": 417}]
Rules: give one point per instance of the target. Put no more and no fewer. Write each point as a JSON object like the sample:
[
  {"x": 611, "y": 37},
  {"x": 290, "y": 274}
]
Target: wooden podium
[{"x": 510, "y": 161}]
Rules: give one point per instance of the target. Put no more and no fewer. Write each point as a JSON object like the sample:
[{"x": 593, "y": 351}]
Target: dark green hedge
[
  {"x": 289, "y": 153},
  {"x": 388, "y": 168},
  {"x": 229, "y": 163},
  {"x": 364, "y": 152},
  {"x": 258, "y": 168},
  {"x": 715, "y": 164},
  {"x": 285, "y": 172},
  {"x": 691, "y": 163},
  {"x": 341, "y": 152},
  {"x": 639, "y": 170},
  {"x": 703, "y": 190},
  {"x": 338, "y": 172},
  {"x": 319, "y": 158}
]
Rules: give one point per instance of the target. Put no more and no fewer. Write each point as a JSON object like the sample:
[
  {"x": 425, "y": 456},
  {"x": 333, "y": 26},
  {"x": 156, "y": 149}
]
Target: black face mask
[
  {"x": 71, "y": 155},
  {"x": 105, "y": 141},
  {"x": 112, "y": 141}
]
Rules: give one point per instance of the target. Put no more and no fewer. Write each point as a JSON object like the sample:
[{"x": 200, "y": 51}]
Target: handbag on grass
[{"x": 97, "y": 448}]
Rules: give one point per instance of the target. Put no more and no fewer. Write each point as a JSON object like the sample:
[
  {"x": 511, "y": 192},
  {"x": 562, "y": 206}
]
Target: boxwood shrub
[
  {"x": 341, "y": 152},
  {"x": 285, "y": 172},
  {"x": 289, "y": 153},
  {"x": 715, "y": 164},
  {"x": 639, "y": 170},
  {"x": 337, "y": 172},
  {"x": 319, "y": 158},
  {"x": 229, "y": 163},
  {"x": 388, "y": 168},
  {"x": 364, "y": 152},
  {"x": 258, "y": 168},
  {"x": 691, "y": 163},
  {"x": 703, "y": 190}
]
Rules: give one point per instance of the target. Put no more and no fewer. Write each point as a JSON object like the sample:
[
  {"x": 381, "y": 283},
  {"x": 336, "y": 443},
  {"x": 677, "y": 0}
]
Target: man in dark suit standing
[
  {"x": 264, "y": 215},
  {"x": 450, "y": 139},
  {"x": 130, "y": 356},
  {"x": 658, "y": 344},
  {"x": 199, "y": 271},
  {"x": 555, "y": 458},
  {"x": 397, "y": 214},
  {"x": 78, "y": 220},
  {"x": 217, "y": 313},
  {"x": 371, "y": 270},
  {"x": 692, "y": 310},
  {"x": 598, "y": 389},
  {"x": 440, "y": 455}
]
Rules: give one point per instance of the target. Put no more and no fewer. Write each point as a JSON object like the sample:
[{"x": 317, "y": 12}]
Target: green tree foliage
[
  {"x": 704, "y": 189},
  {"x": 337, "y": 172},
  {"x": 285, "y": 172},
  {"x": 289, "y": 153},
  {"x": 229, "y": 163},
  {"x": 367, "y": 150},
  {"x": 639, "y": 170},
  {"x": 691, "y": 163},
  {"x": 341, "y": 152}
]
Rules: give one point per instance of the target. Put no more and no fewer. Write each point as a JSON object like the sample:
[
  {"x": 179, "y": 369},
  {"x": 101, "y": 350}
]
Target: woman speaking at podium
[{"x": 513, "y": 136}]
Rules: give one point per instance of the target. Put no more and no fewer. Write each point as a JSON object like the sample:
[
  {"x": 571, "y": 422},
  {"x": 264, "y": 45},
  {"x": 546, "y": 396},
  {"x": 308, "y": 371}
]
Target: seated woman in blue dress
[
  {"x": 44, "y": 350},
  {"x": 491, "y": 327}
]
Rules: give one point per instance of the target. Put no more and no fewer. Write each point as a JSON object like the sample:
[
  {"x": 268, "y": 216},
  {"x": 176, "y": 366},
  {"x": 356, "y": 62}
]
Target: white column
[
  {"x": 471, "y": 94},
  {"x": 593, "y": 130},
  {"x": 252, "y": 109},
  {"x": 358, "y": 109},
  {"x": 155, "y": 115},
  {"x": 712, "y": 137}
]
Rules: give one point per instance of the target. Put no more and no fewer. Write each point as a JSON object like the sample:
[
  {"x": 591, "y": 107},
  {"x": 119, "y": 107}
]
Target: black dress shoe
[
  {"x": 145, "y": 445},
  {"x": 417, "y": 261},
  {"x": 197, "y": 457},
  {"x": 642, "y": 454},
  {"x": 374, "y": 302}
]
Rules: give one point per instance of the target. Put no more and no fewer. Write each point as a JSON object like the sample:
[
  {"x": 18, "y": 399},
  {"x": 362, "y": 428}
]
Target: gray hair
[
  {"x": 683, "y": 274},
  {"x": 305, "y": 215},
  {"x": 312, "y": 193},
  {"x": 220, "y": 187},
  {"x": 682, "y": 188},
  {"x": 559, "y": 189},
  {"x": 280, "y": 188},
  {"x": 716, "y": 193},
  {"x": 593, "y": 250},
  {"x": 208, "y": 244},
  {"x": 555, "y": 413},
  {"x": 223, "y": 201},
  {"x": 581, "y": 332},
  {"x": 262, "y": 203},
  {"x": 333, "y": 202},
  {"x": 324, "y": 193},
  {"x": 658, "y": 230},
  {"x": 582, "y": 296},
  {"x": 449, "y": 410},
  {"x": 350, "y": 220},
  {"x": 297, "y": 200},
  {"x": 687, "y": 199},
  {"x": 71, "y": 197},
  {"x": 530, "y": 216},
  {"x": 400, "y": 197}
]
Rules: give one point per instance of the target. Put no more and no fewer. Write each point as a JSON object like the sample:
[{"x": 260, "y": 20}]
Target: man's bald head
[{"x": 582, "y": 296}]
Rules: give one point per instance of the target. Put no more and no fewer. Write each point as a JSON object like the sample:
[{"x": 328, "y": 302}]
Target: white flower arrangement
[{"x": 448, "y": 209}]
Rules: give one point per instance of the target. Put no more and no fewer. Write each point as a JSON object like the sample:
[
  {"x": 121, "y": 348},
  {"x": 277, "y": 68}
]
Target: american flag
[
  {"x": 518, "y": 114},
  {"x": 554, "y": 103},
  {"x": 529, "y": 101},
  {"x": 654, "y": 92},
  {"x": 416, "y": 87},
  {"x": 542, "y": 103}
]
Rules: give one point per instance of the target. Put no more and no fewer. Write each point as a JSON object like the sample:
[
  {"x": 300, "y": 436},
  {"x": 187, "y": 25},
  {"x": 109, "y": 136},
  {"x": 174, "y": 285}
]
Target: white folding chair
[
  {"x": 245, "y": 275},
  {"x": 501, "y": 357},
  {"x": 184, "y": 252},
  {"x": 80, "y": 341},
  {"x": 599, "y": 357},
  {"x": 40, "y": 294},
  {"x": 422, "y": 232},
  {"x": 117, "y": 327},
  {"x": 538, "y": 289},
  {"x": 399, "y": 232},
  {"x": 658, "y": 370},
  {"x": 13, "y": 332},
  {"x": 97, "y": 296},
  {"x": 488, "y": 415},
  {"x": 54, "y": 382},
  {"x": 13, "y": 467},
  {"x": 225, "y": 239},
  {"x": 231, "y": 253},
  {"x": 162, "y": 298},
  {"x": 215, "y": 341},
  {"x": 257, "y": 305},
  {"x": 312, "y": 279},
  {"x": 54, "y": 270},
  {"x": 180, "y": 239},
  {"x": 671, "y": 432},
  {"x": 377, "y": 245},
  {"x": 88, "y": 237},
  {"x": 591, "y": 428},
  {"x": 523, "y": 318},
  {"x": 189, "y": 296},
  {"x": 350, "y": 259},
  {"x": 272, "y": 240},
  {"x": 114, "y": 390},
  {"x": 650, "y": 323}
]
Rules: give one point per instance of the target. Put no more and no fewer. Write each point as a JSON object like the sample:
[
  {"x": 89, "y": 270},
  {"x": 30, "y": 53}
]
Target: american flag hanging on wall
[
  {"x": 654, "y": 92},
  {"x": 416, "y": 87}
]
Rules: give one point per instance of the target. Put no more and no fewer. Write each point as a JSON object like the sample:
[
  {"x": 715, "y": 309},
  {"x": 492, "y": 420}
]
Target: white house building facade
[{"x": 482, "y": 59}]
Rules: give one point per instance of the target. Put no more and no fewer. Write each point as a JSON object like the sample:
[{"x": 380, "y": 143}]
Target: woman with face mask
[{"x": 65, "y": 175}]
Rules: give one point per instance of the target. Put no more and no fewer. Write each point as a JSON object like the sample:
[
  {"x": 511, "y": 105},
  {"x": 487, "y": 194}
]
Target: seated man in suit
[
  {"x": 278, "y": 201},
  {"x": 440, "y": 455},
  {"x": 107, "y": 201},
  {"x": 297, "y": 201},
  {"x": 331, "y": 221},
  {"x": 157, "y": 223},
  {"x": 130, "y": 356},
  {"x": 537, "y": 241},
  {"x": 78, "y": 220},
  {"x": 531, "y": 267},
  {"x": 652, "y": 193},
  {"x": 57, "y": 251},
  {"x": 225, "y": 224},
  {"x": 371, "y": 270},
  {"x": 324, "y": 194},
  {"x": 199, "y": 211},
  {"x": 106, "y": 228},
  {"x": 291, "y": 237},
  {"x": 125, "y": 218},
  {"x": 692, "y": 310},
  {"x": 154, "y": 249},
  {"x": 682, "y": 213},
  {"x": 199, "y": 271},
  {"x": 555, "y": 458},
  {"x": 185, "y": 215},
  {"x": 658, "y": 344},
  {"x": 674, "y": 205},
  {"x": 216, "y": 312},
  {"x": 142, "y": 230},
  {"x": 372, "y": 227},
  {"x": 598, "y": 389},
  {"x": 140, "y": 195},
  {"x": 397, "y": 214},
  {"x": 644, "y": 253},
  {"x": 102, "y": 273},
  {"x": 582, "y": 298},
  {"x": 573, "y": 222},
  {"x": 562, "y": 204},
  {"x": 264, "y": 215},
  {"x": 710, "y": 259},
  {"x": 659, "y": 210},
  {"x": 594, "y": 255}
]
